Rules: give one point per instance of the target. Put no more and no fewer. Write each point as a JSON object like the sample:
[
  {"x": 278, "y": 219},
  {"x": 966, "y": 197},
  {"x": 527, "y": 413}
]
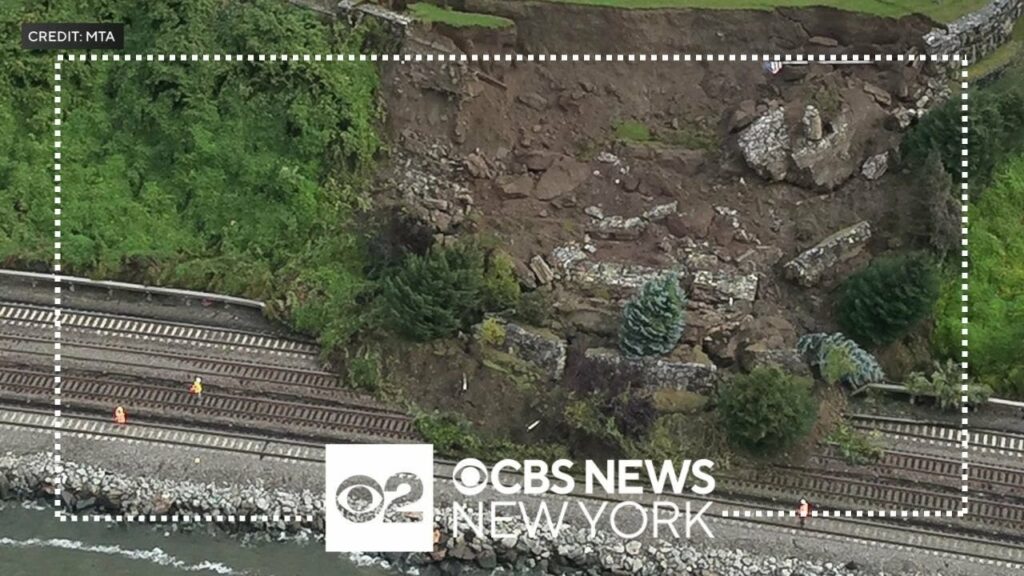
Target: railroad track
[
  {"x": 992, "y": 478},
  {"x": 853, "y": 493},
  {"x": 941, "y": 433},
  {"x": 154, "y": 331},
  {"x": 222, "y": 410},
  {"x": 993, "y": 551}
]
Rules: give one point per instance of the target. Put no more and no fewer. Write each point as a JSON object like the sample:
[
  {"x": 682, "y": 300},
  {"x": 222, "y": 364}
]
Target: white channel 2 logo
[{"x": 379, "y": 498}]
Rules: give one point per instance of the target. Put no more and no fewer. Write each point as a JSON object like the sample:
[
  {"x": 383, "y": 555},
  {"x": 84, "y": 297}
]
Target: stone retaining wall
[{"x": 977, "y": 34}]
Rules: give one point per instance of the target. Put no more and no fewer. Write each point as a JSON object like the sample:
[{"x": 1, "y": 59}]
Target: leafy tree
[
  {"x": 652, "y": 321},
  {"x": 767, "y": 408},
  {"x": 840, "y": 360},
  {"x": 880, "y": 303},
  {"x": 435, "y": 295}
]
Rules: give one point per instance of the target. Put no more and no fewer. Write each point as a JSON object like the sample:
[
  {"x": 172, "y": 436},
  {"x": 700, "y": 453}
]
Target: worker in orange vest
[
  {"x": 803, "y": 511},
  {"x": 197, "y": 387},
  {"x": 120, "y": 418}
]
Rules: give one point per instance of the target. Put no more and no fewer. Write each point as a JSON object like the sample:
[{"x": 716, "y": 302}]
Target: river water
[{"x": 34, "y": 543}]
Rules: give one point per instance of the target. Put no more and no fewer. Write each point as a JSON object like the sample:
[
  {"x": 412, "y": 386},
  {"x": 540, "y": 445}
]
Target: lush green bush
[
  {"x": 996, "y": 278},
  {"x": 652, "y": 321},
  {"x": 435, "y": 295},
  {"x": 994, "y": 131},
  {"x": 840, "y": 360},
  {"x": 944, "y": 384},
  {"x": 767, "y": 408},
  {"x": 880, "y": 303},
  {"x": 222, "y": 176},
  {"x": 500, "y": 288}
]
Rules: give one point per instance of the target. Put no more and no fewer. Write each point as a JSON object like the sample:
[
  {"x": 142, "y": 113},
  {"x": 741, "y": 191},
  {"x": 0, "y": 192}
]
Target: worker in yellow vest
[{"x": 196, "y": 389}]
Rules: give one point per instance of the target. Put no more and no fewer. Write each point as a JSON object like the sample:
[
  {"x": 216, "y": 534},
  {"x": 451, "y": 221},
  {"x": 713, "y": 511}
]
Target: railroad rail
[
  {"x": 72, "y": 281},
  {"x": 941, "y": 433},
  {"x": 992, "y": 478},
  {"x": 973, "y": 548},
  {"x": 221, "y": 410},
  {"x": 16, "y": 314}
]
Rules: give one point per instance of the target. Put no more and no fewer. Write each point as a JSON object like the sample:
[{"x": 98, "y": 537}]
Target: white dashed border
[
  {"x": 508, "y": 57},
  {"x": 964, "y": 276}
]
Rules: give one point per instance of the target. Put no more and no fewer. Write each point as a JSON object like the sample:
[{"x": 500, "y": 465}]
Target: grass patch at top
[
  {"x": 431, "y": 13},
  {"x": 941, "y": 10}
]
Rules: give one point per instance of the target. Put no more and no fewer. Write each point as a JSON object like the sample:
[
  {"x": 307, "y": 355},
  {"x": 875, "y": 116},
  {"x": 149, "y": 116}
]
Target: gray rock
[
  {"x": 660, "y": 212},
  {"x": 809, "y": 267},
  {"x": 538, "y": 346},
  {"x": 880, "y": 95},
  {"x": 541, "y": 270},
  {"x": 812, "y": 124},
  {"x": 659, "y": 373},
  {"x": 875, "y": 166},
  {"x": 563, "y": 177},
  {"x": 765, "y": 145},
  {"x": 823, "y": 41},
  {"x": 533, "y": 100},
  {"x": 719, "y": 286},
  {"x": 514, "y": 186}
]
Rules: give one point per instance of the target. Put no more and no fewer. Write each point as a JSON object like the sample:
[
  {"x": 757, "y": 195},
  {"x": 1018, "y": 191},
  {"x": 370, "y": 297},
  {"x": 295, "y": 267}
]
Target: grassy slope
[
  {"x": 221, "y": 176},
  {"x": 941, "y": 10},
  {"x": 996, "y": 308},
  {"x": 431, "y": 13}
]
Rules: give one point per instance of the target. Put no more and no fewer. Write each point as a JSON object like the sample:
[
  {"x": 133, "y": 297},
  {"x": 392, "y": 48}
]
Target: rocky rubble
[
  {"x": 661, "y": 373},
  {"x": 92, "y": 490},
  {"x": 538, "y": 346},
  {"x": 810, "y": 266}
]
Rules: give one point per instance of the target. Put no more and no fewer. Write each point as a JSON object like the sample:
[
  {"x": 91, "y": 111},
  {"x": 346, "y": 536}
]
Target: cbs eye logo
[{"x": 361, "y": 499}]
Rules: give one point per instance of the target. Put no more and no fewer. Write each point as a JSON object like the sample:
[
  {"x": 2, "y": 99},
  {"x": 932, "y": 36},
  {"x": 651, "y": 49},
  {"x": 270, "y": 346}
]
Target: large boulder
[
  {"x": 540, "y": 347},
  {"x": 660, "y": 373},
  {"x": 827, "y": 162},
  {"x": 765, "y": 145},
  {"x": 810, "y": 266}
]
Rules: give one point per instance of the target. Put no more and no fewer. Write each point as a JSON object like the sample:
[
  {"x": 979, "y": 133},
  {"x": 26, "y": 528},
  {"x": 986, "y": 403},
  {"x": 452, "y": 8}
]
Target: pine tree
[
  {"x": 432, "y": 296},
  {"x": 840, "y": 360},
  {"x": 880, "y": 303},
  {"x": 652, "y": 321}
]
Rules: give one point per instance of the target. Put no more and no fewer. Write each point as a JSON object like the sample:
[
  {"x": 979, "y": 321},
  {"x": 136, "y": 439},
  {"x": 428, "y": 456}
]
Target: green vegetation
[
  {"x": 632, "y": 131},
  {"x": 856, "y": 447},
  {"x": 1001, "y": 57},
  {"x": 994, "y": 132},
  {"x": 941, "y": 10},
  {"x": 670, "y": 401},
  {"x": 492, "y": 332},
  {"x": 881, "y": 303},
  {"x": 652, "y": 321},
  {"x": 840, "y": 360},
  {"x": 435, "y": 14},
  {"x": 535, "y": 308},
  {"x": 218, "y": 176},
  {"x": 944, "y": 384},
  {"x": 453, "y": 436},
  {"x": 996, "y": 233},
  {"x": 766, "y": 409},
  {"x": 446, "y": 290}
]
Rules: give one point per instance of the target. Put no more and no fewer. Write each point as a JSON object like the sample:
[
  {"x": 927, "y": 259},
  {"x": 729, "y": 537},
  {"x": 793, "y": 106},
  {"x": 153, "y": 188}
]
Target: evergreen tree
[
  {"x": 652, "y": 321},
  {"x": 880, "y": 303},
  {"x": 433, "y": 296}
]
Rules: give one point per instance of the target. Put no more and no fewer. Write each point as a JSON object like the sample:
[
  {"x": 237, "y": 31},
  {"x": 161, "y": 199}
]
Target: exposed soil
[{"x": 542, "y": 156}]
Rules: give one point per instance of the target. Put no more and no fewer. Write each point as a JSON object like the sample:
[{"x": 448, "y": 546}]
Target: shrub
[
  {"x": 535, "y": 308},
  {"x": 632, "y": 130},
  {"x": 880, "y": 303},
  {"x": 652, "y": 321},
  {"x": 363, "y": 371},
  {"x": 435, "y": 295},
  {"x": 500, "y": 289},
  {"x": 856, "y": 447},
  {"x": 944, "y": 384},
  {"x": 492, "y": 332},
  {"x": 840, "y": 360},
  {"x": 994, "y": 132},
  {"x": 767, "y": 408}
]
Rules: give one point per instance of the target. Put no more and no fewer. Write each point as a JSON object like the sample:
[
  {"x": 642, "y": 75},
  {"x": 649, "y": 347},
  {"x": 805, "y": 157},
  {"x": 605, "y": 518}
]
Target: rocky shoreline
[{"x": 91, "y": 490}]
